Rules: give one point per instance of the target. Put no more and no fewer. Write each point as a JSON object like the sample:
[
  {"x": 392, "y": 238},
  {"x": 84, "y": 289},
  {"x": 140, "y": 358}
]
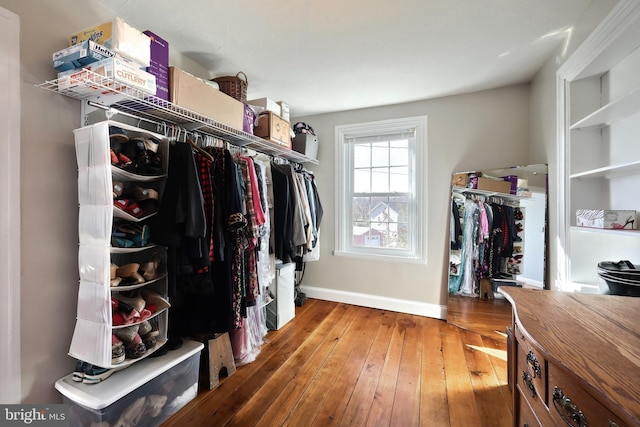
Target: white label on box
[{"x": 116, "y": 68}]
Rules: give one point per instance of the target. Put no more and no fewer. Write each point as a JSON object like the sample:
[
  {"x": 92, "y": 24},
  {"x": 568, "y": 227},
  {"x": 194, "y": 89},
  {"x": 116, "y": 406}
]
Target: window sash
[{"x": 376, "y": 134}]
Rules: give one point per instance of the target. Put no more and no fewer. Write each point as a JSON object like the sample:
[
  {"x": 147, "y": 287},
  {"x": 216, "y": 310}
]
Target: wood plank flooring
[
  {"x": 344, "y": 365},
  {"x": 487, "y": 317}
]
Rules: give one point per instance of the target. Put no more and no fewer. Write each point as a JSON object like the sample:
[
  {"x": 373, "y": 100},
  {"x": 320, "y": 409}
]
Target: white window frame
[{"x": 417, "y": 251}]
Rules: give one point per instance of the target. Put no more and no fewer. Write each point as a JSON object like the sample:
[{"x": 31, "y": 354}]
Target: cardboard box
[
  {"x": 273, "y": 128},
  {"x": 610, "y": 219},
  {"x": 119, "y": 69},
  {"x": 284, "y": 110},
  {"x": 267, "y": 104},
  {"x": 460, "y": 179},
  {"x": 79, "y": 55},
  {"x": 159, "y": 64},
  {"x": 493, "y": 185},
  {"x": 307, "y": 144},
  {"x": 194, "y": 94},
  {"x": 120, "y": 37},
  {"x": 513, "y": 180}
]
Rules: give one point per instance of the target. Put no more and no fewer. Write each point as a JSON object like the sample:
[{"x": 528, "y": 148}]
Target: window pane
[
  {"x": 361, "y": 156},
  {"x": 401, "y": 206},
  {"x": 399, "y": 179},
  {"x": 380, "y": 154},
  {"x": 360, "y": 209},
  {"x": 399, "y": 153},
  {"x": 362, "y": 181},
  {"x": 380, "y": 180},
  {"x": 366, "y": 237}
]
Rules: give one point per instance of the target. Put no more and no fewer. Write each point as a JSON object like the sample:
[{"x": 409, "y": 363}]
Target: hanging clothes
[
  {"x": 479, "y": 243},
  {"x": 219, "y": 213}
]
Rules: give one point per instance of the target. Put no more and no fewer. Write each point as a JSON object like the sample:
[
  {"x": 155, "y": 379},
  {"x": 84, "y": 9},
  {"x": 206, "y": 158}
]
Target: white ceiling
[{"x": 333, "y": 55}]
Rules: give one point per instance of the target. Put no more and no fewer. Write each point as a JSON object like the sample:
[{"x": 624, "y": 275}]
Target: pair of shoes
[
  {"x": 127, "y": 234},
  {"x": 138, "y": 193},
  {"x": 95, "y": 374},
  {"x": 150, "y": 268},
  {"x": 129, "y": 274},
  {"x": 78, "y": 372},
  {"x": 117, "y": 350},
  {"x": 137, "y": 209},
  {"x": 148, "y": 334},
  {"x": 131, "y": 299},
  {"x": 118, "y": 188},
  {"x": 144, "y": 161},
  {"x": 517, "y": 214}
]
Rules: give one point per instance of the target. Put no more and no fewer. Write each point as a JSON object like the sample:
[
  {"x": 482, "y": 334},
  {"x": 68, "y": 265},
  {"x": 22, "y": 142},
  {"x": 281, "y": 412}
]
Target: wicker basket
[{"x": 234, "y": 86}]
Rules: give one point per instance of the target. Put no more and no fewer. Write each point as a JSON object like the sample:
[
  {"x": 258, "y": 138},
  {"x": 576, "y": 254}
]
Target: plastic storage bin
[
  {"x": 282, "y": 309},
  {"x": 144, "y": 394}
]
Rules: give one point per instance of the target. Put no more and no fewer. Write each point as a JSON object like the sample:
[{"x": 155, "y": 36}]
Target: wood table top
[{"x": 595, "y": 337}]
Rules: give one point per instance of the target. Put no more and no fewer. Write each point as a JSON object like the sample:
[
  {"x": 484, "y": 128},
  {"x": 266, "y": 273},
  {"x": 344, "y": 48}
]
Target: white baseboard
[{"x": 375, "y": 301}]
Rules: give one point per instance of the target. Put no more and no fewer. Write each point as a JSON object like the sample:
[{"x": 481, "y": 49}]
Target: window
[{"x": 381, "y": 171}]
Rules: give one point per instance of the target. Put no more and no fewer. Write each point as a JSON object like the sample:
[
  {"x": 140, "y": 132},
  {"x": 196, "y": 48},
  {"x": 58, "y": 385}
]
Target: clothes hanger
[{"x": 198, "y": 148}]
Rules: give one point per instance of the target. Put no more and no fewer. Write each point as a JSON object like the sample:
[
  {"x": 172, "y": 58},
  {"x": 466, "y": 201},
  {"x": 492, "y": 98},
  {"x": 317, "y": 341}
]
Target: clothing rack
[{"x": 471, "y": 194}]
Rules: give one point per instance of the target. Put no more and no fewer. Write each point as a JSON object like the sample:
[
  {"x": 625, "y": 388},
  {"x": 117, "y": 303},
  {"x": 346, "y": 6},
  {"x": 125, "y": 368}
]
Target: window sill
[{"x": 381, "y": 257}]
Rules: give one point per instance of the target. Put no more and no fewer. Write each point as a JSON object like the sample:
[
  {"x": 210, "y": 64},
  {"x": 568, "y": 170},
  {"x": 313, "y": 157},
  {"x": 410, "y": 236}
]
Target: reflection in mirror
[
  {"x": 497, "y": 229},
  {"x": 497, "y": 233}
]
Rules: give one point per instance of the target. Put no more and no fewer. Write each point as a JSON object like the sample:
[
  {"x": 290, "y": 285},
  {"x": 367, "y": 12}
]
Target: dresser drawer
[
  {"x": 570, "y": 404},
  {"x": 530, "y": 377},
  {"x": 526, "y": 418}
]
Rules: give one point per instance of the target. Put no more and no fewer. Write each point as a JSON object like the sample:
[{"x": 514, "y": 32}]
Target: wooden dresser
[{"x": 574, "y": 359}]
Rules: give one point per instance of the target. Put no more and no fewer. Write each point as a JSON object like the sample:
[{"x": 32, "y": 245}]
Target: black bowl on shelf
[
  {"x": 622, "y": 277},
  {"x": 618, "y": 288}
]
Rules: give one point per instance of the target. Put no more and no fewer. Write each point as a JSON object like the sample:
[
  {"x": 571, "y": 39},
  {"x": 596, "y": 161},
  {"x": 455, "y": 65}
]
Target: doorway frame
[{"x": 10, "y": 365}]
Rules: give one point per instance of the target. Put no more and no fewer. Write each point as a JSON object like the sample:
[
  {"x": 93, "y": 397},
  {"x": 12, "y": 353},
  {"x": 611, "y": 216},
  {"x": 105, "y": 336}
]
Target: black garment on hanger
[{"x": 283, "y": 214}]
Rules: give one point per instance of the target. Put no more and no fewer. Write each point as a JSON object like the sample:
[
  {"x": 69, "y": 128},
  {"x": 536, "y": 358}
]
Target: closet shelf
[
  {"x": 625, "y": 169},
  {"x": 463, "y": 190},
  {"x": 611, "y": 112},
  {"x": 113, "y": 95},
  {"x": 610, "y": 231}
]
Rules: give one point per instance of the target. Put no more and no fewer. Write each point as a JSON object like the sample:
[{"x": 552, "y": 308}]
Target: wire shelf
[{"x": 112, "y": 95}]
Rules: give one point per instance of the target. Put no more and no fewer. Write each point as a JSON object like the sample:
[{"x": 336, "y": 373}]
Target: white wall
[{"x": 482, "y": 130}]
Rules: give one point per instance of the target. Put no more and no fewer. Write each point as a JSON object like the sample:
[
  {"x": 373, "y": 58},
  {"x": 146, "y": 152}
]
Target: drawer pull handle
[
  {"x": 529, "y": 383},
  {"x": 613, "y": 424},
  {"x": 531, "y": 358},
  {"x": 568, "y": 410}
]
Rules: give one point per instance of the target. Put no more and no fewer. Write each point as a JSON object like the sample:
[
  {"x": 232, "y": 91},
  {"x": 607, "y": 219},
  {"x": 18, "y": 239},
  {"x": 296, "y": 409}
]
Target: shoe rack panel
[{"x": 101, "y": 224}]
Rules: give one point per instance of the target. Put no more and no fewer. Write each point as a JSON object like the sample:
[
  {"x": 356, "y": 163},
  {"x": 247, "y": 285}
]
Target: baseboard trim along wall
[{"x": 375, "y": 301}]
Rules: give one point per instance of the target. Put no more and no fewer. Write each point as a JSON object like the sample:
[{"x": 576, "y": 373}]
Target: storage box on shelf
[
  {"x": 307, "y": 144},
  {"x": 274, "y": 129},
  {"x": 145, "y": 394},
  {"x": 196, "y": 95},
  {"x": 92, "y": 337},
  {"x": 118, "y": 36}
]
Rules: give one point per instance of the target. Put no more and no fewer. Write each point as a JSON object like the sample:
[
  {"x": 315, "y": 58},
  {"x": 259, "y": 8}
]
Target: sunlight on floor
[{"x": 500, "y": 354}]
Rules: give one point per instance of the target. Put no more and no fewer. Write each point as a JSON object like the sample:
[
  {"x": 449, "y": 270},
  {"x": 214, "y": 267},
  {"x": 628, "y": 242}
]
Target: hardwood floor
[
  {"x": 338, "y": 364},
  {"x": 488, "y": 317}
]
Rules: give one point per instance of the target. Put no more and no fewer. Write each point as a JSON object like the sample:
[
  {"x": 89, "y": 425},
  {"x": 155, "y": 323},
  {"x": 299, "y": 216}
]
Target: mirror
[{"x": 497, "y": 238}]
